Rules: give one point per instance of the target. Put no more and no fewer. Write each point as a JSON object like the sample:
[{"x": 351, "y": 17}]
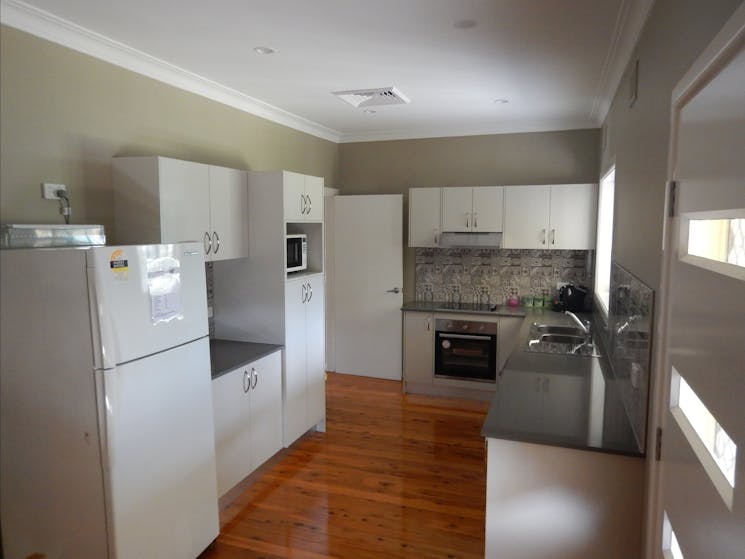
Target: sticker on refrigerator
[
  {"x": 164, "y": 286},
  {"x": 119, "y": 265}
]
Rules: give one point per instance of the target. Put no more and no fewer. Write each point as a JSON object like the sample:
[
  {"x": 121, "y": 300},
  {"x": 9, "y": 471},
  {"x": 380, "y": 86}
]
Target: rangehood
[{"x": 470, "y": 240}]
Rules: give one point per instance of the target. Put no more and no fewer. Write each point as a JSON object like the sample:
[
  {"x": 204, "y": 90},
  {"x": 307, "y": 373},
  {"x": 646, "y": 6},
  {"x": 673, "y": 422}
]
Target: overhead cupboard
[
  {"x": 529, "y": 217},
  {"x": 164, "y": 200}
]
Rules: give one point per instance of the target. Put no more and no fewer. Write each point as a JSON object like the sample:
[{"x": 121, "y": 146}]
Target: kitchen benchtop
[
  {"x": 226, "y": 355},
  {"x": 470, "y": 308},
  {"x": 561, "y": 400}
]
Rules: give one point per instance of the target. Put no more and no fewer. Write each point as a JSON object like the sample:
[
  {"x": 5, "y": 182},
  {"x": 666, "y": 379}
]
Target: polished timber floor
[{"x": 393, "y": 476}]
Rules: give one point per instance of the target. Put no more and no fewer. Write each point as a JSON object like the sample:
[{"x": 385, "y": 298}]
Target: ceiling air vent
[{"x": 363, "y": 98}]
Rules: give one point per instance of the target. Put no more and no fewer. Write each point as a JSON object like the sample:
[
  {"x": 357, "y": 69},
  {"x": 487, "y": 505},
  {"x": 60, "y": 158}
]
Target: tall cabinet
[{"x": 255, "y": 299}]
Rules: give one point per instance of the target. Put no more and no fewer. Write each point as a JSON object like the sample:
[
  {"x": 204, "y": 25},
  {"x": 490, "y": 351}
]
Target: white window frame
[{"x": 604, "y": 238}]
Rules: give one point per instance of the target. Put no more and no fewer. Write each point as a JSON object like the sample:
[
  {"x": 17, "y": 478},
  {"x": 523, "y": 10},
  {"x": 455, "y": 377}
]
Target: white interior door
[
  {"x": 702, "y": 475},
  {"x": 368, "y": 276}
]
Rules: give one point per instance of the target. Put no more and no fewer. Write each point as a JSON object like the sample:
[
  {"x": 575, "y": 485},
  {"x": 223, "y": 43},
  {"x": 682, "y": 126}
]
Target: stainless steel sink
[
  {"x": 557, "y": 329},
  {"x": 562, "y": 339}
]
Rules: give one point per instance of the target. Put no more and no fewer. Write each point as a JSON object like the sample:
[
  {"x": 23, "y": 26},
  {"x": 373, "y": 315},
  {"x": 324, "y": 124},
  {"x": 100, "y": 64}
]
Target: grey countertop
[
  {"x": 226, "y": 355},
  {"x": 562, "y": 400}
]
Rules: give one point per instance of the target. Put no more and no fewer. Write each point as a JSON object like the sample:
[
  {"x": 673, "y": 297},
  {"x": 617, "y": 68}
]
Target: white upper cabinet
[
  {"x": 476, "y": 209},
  {"x": 550, "y": 216},
  {"x": 424, "y": 217},
  {"x": 303, "y": 197},
  {"x": 162, "y": 200}
]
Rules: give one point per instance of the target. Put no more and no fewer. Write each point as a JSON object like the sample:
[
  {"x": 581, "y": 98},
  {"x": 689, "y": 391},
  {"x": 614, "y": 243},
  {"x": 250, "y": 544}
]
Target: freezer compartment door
[
  {"x": 145, "y": 299},
  {"x": 159, "y": 458}
]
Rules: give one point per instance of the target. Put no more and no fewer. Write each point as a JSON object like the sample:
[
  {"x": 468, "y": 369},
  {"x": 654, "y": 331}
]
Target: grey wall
[
  {"x": 393, "y": 167},
  {"x": 638, "y": 137},
  {"x": 65, "y": 115}
]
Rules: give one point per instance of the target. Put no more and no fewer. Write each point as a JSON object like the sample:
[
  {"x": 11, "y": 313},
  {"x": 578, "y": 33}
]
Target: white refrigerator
[{"x": 106, "y": 405}]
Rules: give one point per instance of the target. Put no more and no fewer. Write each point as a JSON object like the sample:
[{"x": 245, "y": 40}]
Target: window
[
  {"x": 709, "y": 441},
  {"x": 604, "y": 244},
  {"x": 670, "y": 545},
  {"x": 714, "y": 240}
]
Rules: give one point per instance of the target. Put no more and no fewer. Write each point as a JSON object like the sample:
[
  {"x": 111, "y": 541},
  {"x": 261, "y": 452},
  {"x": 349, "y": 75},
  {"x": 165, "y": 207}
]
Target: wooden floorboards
[{"x": 393, "y": 476}]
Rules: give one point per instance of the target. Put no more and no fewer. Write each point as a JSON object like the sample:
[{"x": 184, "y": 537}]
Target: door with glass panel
[{"x": 701, "y": 500}]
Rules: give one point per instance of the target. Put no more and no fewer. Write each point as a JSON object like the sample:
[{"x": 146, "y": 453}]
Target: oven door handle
[{"x": 464, "y": 336}]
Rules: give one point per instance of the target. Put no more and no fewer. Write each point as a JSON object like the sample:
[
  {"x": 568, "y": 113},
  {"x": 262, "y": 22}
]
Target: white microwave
[{"x": 297, "y": 252}]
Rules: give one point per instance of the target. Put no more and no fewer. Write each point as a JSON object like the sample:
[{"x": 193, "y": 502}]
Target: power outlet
[{"x": 49, "y": 190}]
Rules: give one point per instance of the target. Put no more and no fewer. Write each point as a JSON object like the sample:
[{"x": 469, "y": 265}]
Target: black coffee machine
[{"x": 571, "y": 298}]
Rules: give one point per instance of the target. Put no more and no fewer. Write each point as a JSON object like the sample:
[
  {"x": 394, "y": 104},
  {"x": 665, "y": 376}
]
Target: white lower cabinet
[
  {"x": 419, "y": 336},
  {"x": 247, "y": 405},
  {"x": 305, "y": 373}
]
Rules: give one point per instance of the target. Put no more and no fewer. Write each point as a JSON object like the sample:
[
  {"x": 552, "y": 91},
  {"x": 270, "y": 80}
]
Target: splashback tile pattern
[
  {"x": 629, "y": 335},
  {"x": 469, "y": 275}
]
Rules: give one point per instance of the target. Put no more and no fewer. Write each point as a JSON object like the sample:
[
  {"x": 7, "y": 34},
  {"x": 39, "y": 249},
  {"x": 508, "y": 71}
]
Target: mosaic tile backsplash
[
  {"x": 628, "y": 343},
  {"x": 476, "y": 275}
]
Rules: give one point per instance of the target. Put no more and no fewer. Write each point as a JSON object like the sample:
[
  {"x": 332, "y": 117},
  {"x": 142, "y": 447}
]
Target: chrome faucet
[{"x": 584, "y": 324}]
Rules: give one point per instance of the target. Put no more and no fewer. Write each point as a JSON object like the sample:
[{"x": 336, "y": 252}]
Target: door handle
[
  {"x": 468, "y": 222},
  {"x": 395, "y": 290},
  {"x": 255, "y": 378},
  {"x": 310, "y": 291},
  {"x": 475, "y": 220},
  {"x": 217, "y": 240},
  {"x": 310, "y": 203},
  {"x": 305, "y": 292},
  {"x": 543, "y": 236},
  {"x": 246, "y": 382},
  {"x": 553, "y": 236},
  {"x": 302, "y": 204},
  {"x": 207, "y": 243}
]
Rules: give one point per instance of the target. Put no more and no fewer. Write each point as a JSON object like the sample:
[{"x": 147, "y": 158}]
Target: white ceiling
[{"x": 558, "y": 62}]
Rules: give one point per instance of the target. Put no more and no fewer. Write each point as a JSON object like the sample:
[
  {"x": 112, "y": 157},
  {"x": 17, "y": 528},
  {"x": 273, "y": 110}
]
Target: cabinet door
[
  {"x": 294, "y": 196},
  {"x": 457, "y": 206},
  {"x": 314, "y": 198},
  {"x": 228, "y": 213},
  {"x": 316, "y": 350},
  {"x": 526, "y": 216},
  {"x": 295, "y": 384},
  {"x": 184, "y": 202},
  {"x": 573, "y": 216},
  {"x": 424, "y": 217},
  {"x": 232, "y": 413},
  {"x": 488, "y": 209},
  {"x": 266, "y": 408},
  {"x": 419, "y": 347}
]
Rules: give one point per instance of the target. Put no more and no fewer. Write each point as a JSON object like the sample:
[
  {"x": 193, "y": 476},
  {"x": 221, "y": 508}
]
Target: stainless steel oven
[{"x": 466, "y": 350}]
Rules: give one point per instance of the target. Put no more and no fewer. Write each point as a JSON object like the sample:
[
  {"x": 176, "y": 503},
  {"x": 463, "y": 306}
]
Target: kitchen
[{"x": 100, "y": 111}]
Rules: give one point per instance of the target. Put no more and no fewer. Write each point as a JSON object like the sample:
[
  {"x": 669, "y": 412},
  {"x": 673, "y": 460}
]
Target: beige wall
[
  {"x": 65, "y": 115},
  {"x": 534, "y": 158},
  {"x": 638, "y": 137}
]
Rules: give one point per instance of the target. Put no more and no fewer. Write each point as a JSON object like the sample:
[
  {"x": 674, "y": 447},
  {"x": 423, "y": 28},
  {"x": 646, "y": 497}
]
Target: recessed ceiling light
[
  {"x": 465, "y": 24},
  {"x": 501, "y": 101},
  {"x": 264, "y": 50}
]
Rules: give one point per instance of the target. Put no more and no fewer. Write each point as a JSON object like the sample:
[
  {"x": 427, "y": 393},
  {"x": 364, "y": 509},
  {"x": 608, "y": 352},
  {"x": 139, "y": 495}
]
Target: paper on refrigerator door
[{"x": 164, "y": 286}]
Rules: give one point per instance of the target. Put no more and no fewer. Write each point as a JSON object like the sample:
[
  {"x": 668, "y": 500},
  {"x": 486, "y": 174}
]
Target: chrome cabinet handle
[
  {"x": 436, "y": 238},
  {"x": 553, "y": 236},
  {"x": 475, "y": 220},
  {"x": 429, "y": 325},
  {"x": 468, "y": 222},
  {"x": 217, "y": 240},
  {"x": 310, "y": 291},
  {"x": 207, "y": 242},
  {"x": 543, "y": 236},
  {"x": 302, "y": 204},
  {"x": 395, "y": 290},
  {"x": 305, "y": 292},
  {"x": 255, "y": 377},
  {"x": 310, "y": 203},
  {"x": 246, "y": 382}
]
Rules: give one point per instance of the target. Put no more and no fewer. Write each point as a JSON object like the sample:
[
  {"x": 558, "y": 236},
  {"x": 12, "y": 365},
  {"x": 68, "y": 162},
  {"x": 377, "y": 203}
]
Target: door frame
[
  {"x": 714, "y": 57},
  {"x": 328, "y": 268}
]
